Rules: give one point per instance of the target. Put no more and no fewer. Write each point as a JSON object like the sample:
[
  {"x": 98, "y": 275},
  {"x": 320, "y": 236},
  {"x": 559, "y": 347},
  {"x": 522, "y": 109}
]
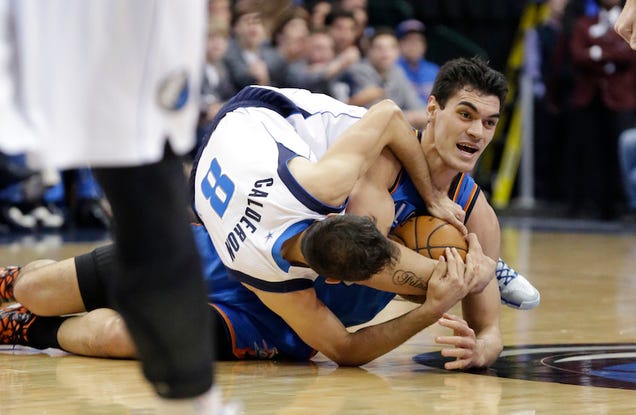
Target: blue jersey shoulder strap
[{"x": 408, "y": 203}]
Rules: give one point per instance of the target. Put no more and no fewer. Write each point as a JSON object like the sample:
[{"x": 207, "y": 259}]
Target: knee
[
  {"x": 110, "y": 335},
  {"x": 25, "y": 287}
]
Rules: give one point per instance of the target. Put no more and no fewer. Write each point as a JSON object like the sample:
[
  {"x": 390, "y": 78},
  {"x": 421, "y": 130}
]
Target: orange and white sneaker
[
  {"x": 15, "y": 320},
  {"x": 7, "y": 278}
]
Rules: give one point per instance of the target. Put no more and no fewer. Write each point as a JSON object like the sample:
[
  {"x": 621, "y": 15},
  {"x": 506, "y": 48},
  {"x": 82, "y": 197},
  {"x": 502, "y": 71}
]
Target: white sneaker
[
  {"x": 210, "y": 403},
  {"x": 516, "y": 291}
]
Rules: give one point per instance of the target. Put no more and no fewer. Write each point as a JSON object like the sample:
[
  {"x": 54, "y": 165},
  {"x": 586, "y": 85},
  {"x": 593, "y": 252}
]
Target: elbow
[
  {"x": 350, "y": 362},
  {"x": 389, "y": 106},
  {"x": 347, "y": 357},
  {"x": 495, "y": 347}
]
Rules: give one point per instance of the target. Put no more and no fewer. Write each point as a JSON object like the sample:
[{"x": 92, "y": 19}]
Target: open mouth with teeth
[{"x": 467, "y": 149}]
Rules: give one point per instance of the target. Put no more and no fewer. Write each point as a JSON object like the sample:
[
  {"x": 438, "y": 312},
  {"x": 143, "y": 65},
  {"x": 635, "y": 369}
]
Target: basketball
[{"x": 429, "y": 236}]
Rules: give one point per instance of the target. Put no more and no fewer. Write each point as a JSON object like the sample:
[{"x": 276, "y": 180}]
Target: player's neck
[
  {"x": 441, "y": 174},
  {"x": 291, "y": 251}
]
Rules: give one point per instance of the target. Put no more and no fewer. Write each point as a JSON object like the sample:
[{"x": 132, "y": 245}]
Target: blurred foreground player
[{"x": 109, "y": 83}]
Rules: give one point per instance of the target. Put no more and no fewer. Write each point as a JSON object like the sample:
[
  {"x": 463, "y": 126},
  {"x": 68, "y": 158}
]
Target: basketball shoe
[
  {"x": 7, "y": 278},
  {"x": 15, "y": 320},
  {"x": 515, "y": 290}
]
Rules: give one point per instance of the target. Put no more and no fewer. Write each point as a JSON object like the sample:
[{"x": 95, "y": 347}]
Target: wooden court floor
[{"x": 588, "y": 287}]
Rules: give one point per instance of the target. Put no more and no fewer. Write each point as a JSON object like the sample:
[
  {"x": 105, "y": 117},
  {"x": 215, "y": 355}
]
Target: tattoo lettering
[{"x": 401, "y": 277}]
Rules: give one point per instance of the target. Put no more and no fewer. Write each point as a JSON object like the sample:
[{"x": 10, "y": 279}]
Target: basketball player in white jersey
[{"x": 111, "y": 84}]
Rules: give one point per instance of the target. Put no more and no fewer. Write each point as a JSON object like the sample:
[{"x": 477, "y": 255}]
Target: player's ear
[{"x": 431, "y": 107}]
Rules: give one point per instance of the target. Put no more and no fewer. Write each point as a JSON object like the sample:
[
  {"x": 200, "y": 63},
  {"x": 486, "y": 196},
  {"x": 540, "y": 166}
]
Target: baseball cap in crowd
[{"x": 409, "y": 26}]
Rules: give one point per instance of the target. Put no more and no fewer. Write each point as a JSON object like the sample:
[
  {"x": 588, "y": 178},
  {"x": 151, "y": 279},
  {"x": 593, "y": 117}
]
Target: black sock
[{"x": 42, "y": 333}]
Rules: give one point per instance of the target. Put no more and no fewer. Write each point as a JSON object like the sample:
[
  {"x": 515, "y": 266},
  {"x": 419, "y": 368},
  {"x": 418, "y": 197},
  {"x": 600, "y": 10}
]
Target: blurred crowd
[
  {"x": 362, "y": 51},
  {"x": 585, "y": 109}
]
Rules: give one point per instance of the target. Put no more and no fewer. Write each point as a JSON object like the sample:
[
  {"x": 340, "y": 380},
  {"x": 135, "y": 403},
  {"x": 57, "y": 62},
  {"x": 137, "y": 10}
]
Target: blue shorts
[{"x": 257, "y": 332}]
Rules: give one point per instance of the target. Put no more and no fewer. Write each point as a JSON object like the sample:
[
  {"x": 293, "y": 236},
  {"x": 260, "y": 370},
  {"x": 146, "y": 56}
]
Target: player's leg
[
  {"x": 99, "y": 333},
  {"x": 45, "y": 287},
  {"x": 159, "y": 290}
]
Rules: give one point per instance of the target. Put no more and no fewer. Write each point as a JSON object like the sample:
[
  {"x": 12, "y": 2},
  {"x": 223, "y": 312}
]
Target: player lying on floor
[{"x": 247, "y": 328}]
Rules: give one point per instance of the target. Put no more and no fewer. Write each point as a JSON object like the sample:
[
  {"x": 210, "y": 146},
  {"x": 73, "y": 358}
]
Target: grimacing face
[{"x": 464, "y": 128}]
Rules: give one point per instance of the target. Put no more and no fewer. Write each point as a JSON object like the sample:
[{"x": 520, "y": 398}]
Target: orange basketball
[{"x": 429, "y": 236}]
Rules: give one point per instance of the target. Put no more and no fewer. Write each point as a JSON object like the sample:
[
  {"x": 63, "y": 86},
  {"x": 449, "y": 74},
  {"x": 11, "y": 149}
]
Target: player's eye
[{"x": 490, "y": 123}]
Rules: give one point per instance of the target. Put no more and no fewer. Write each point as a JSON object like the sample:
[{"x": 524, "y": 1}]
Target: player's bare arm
[
  {"x": 350, "y": 157},
  {"x": 476, "y": 339},
  {"x": 320, "y": 329}
]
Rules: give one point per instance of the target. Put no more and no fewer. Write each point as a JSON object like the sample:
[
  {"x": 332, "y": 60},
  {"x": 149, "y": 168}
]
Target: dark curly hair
[
  {"x": 468, "y": 72},
  {"x": 347, "y": 248}
]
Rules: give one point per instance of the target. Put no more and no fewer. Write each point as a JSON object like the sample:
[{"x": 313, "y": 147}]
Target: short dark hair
[
  {"x": 338, "y": 13},
  {"x": 382, "y": 31},
  {"x": 472, "y": 72},
  {"x": 347, "y": 248}
]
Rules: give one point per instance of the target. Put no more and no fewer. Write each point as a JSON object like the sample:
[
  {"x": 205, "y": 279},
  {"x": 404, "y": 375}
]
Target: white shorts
[{"x": 100, "y": 82}]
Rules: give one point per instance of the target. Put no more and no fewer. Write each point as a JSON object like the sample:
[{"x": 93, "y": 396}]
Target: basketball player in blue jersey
[{"x": 253, "y": 330}]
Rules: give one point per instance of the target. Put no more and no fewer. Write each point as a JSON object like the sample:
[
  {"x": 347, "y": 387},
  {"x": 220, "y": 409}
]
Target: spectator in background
[
  {"x": 412, "y": 41},
  {"x": 290, "y": 36},
  {"x": 343, "y": 28},
  {"x": 603, "y": 104},
  {"x": 249, "y": 59},
  {"x": 216, "y": 86},
  {"x": 220, "y": 10},
  {"x": 11, "y": 172},
  {"x": 359, "y": 10},
  {"x": 549, "y": 83},
  {"x": 318, "y": 14},
  {"x": 322, "y": 70},
  {"x": 378, "y": 77},
  {"x": 54, "y": 200}
]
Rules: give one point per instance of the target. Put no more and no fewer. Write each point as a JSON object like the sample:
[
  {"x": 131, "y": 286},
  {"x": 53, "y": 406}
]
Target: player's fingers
[
  {"x": 452, "y": 263},
  {"x": 457, "y": 364},
  {"x": 470, "y": 270},
  {"x": 441, "y": 268},
  {"x": 460, "y": 266},
  {"x": 457, "y": 219},
  {"x": 457, "y": 257},
  {"x": 457, "y": 352},
  {"x": 473, "y": 243},
  {"x": 450, "y": 340},
  {"x": 449, "y": 316}
]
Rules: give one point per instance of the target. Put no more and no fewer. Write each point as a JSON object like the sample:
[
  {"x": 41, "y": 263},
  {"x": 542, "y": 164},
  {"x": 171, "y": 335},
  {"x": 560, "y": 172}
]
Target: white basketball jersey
[
  {"x": 245, "y": 194},
  {"x": 100, "y": 82}
]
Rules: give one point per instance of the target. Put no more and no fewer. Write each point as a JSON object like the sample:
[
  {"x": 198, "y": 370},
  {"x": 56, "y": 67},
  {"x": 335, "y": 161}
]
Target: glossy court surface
[{"x": 574, "y": 354}]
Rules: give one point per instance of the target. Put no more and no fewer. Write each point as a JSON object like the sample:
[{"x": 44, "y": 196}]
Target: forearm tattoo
[{"x": 401, "y": 277}]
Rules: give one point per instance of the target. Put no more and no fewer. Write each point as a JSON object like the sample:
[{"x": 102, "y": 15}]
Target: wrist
[{"x": 433, "y": 310}]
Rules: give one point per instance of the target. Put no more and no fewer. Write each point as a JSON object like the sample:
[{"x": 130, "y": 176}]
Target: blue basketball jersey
[{"x": 408, "y": 203}]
